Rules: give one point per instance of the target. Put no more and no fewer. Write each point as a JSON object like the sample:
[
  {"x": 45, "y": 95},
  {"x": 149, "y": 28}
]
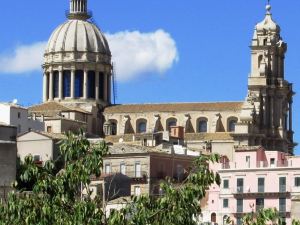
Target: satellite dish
[{"x": 15, "y": 101}]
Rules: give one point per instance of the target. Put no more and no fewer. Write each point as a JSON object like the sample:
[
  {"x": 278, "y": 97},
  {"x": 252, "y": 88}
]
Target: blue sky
[{"x": 211, "y": 38}]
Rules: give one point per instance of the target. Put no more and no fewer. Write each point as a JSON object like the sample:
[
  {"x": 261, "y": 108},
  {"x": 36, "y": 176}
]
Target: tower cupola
[{"x": 78, "y": 10}]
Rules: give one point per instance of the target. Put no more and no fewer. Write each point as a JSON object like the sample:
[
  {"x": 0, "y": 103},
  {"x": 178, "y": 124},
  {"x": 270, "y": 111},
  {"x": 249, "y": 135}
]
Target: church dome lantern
[{"x": 77, "y": 60}]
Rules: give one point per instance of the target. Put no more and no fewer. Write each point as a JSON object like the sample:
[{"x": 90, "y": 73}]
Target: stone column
[
  {"x": 72, "y": 83},
  {"x": 45, "y": 87},
  {"x": 290, "y": 115},
  {"x": 272, "y": 112},
  {"x": 105, "y": 97},
  {"x": 97, "y": 84},
  {"x": 60, "y": 83},
  {"x": 51, "y": 86},
  {"x": 265, "y": 110},
  {"x": 85, "y": 84},
  {"x": 108, "y": 92}
]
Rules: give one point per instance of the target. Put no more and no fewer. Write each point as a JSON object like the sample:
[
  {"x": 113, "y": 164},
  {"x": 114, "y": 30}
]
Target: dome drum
[{"x": 77, "y": 85}]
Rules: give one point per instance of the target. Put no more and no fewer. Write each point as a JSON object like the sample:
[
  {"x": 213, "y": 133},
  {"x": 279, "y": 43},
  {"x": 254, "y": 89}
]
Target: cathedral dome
[{"x": 77, "y": 35}]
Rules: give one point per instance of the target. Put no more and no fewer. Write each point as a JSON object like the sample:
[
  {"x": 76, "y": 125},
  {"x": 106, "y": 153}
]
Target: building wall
[
  {"x": 35, "y": 144},
  {"x": 8, "y": 155},
  {"x": 130, "y": 161},
  {"x": 259, "y": 166},
  {"x": 64, "y": 125},
  {"x": 18, "y": 116},
  {"x": 5, "y": 114}
]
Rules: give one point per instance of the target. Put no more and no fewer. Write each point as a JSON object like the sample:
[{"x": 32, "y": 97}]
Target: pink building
[{"x": 255, "y": 179}]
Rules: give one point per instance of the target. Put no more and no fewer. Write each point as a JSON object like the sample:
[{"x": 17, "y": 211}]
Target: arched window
[
  {"x": 213, "y": 218},
  {"x": 225, "y": 219},
  {"x": 91, "y": 84},
  {"x": 202, "y": 125},
  {"x": 231, "y": 124},
  {"x": 79, "y": 83},
  {"x": 141, "y": 126},
  {"x": 114, "y": 127},
  {"x": 55, "y": 84},
  {"x": 260, "y": 58},
  {"x": 171, "y": 122},
  {"x": 67, "y": 83}
]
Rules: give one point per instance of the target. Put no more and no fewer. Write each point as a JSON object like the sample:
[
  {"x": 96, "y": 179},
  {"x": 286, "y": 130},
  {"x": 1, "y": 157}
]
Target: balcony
[
  {"x": 255, "y": 194},
  {"x": 259, "y": 165},
  {"x": 138, "y": 178}
]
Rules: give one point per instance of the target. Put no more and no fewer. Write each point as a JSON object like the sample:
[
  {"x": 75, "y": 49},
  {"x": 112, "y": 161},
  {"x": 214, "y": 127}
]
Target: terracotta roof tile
[
  {"x": 208, "y": 136},
  {"x": 52, "y": 109},
  {"x": 174, "y": 107}
]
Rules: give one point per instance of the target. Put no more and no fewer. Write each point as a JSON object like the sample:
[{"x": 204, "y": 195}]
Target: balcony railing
[{"x": 259, "y": 164}]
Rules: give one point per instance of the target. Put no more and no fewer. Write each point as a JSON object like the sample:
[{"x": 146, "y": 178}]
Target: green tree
[
  {"x": 55, "y": 196},
  {"x": 266, "y": 216}
]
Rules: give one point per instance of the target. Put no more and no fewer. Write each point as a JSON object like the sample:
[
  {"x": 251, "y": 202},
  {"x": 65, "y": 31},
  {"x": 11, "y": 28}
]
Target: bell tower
[{"x": 268, "y": 91}]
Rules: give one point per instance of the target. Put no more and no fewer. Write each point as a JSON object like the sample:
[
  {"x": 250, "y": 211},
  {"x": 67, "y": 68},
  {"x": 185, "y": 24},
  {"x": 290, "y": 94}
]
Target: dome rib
[
  {"x": 78, "y": 36},
  {"x": 87, "y": 47},
  {"x": 54, "y": 36},
  {"x": 65, "y": 37}
]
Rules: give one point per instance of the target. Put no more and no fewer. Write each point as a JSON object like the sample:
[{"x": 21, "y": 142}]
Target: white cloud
[
  {"x": 134, "y": 53},
  {"x": 26, "y": 58},
  {"x": 137, "y": 53}
]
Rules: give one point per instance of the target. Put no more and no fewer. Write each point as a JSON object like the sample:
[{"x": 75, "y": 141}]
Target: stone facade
[
  {"x": 145, "y": 167},
  {"x": 8, "y": 155}
]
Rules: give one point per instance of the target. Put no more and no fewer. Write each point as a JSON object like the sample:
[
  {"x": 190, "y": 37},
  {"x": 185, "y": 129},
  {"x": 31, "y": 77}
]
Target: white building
[{"x": 15, "y": 115}]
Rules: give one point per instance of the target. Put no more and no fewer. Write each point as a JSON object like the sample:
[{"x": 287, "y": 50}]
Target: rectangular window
[
  {"x": 239, "y": 205},
  {"x": 225, "y": 184},
  {"x": 297, "y": 181},
  {"x": 78, "y": 83},
  {"x": 239, "y": 220},
  {"x": 137, "y": 167},
  {"x": 261, "y": 185},
  {"x": 225, "y": 203},
  {"x": 107, "y": 168},
  {"x": 248, "y": 161},
  {"x": 123, "y": 168},
  {"x": 101, "y": 86},
  {"x": 260, "y": 203},
  {"x": 282, "y": 205},
  {"x": 272, "y": 162},
  {"x": 36, "y": 158},
  {"x": 19, "y": 115},
  {"x": 67, "y": 83},
  {"x": 91, "y": 84},
  {"x": 49, "y": 129},
  {"x": 282, "y": 184},
  {"x": 137, "y": 190},
  {"x": 55, "y": 84},
  {"x": 240, "y": 185}
]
